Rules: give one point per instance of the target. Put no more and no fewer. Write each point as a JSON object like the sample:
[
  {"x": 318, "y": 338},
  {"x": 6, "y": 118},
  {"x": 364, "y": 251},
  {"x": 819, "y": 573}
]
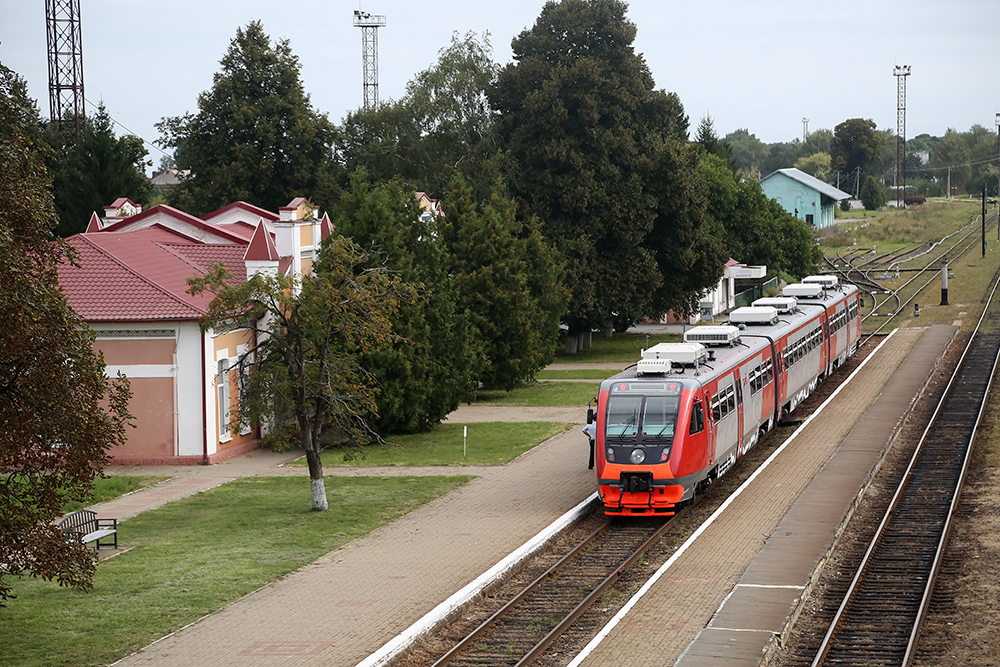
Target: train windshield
[{"x": 643, "y": 412}]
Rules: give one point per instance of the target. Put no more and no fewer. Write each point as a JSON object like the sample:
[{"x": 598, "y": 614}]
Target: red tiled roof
[
  {"x": 294, "y": 204},
  {"x": 142, "y": 274},
  {"x": 103, "y": 288},
  {"x": 325, "y": 227},
  {"x": 137, "y": 220},
  {"x": 261, "y": 245},
  {"x": 254, "y": 211},
  {"x": 94, "y": 225}
]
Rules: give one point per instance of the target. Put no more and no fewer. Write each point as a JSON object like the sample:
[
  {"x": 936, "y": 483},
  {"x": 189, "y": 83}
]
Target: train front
[{"x": 637, "y": 441}]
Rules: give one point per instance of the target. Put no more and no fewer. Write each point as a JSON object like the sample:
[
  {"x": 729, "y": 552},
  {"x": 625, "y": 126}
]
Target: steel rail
[
  {"x": 532, "y": 654},
  {"x": 826, "y": 644},
  {"x": 527, "y": 590}
]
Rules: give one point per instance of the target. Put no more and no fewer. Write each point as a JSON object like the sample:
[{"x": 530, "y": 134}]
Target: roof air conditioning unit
[
  {"x": 828, "y": 282},
  {"x": 784, "y": 304},
  {"x": 667, "y": 355},
  {"x": 754, "y": 315},
  {"x": 721, "y": 335},
  {"x": 803, "y": 291}
]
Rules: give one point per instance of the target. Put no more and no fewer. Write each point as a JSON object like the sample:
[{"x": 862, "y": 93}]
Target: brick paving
[
  {"x": 661, "y": 625},
  {"x": 349, "y": 603}
]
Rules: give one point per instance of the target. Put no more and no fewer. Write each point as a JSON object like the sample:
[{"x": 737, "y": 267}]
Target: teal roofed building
[{"x": 805, "y": 197}]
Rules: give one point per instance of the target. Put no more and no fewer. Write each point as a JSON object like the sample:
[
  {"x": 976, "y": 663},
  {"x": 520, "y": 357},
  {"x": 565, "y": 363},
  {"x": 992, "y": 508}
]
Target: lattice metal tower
[
  {"x": 900, "y": 72},
  {"x": 369, "y": 25},
  {"x": 62, "y": 22}
]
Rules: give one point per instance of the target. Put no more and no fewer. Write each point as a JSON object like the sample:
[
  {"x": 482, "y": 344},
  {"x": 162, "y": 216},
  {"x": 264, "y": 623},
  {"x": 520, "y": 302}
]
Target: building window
[
  {"x": 222, "y": 382},
  {"x": 809, "y": 218}
]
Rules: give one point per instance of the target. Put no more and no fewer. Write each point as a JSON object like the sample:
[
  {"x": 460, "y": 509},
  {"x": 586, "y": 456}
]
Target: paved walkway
[
  {"x": 350, "y": 602},
  {"x": 708, "y": 581}
]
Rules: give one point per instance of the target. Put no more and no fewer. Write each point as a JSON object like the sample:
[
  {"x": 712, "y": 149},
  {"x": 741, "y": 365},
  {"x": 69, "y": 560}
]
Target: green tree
[
  {"x": 872, "y": 193},
  {"x": 431, "y": 366},
  {"x": 93, "y": 169},
  {"x": 688, "y": 251},
  {"x": 441, "y": 127},
  {"x": 756, "y": 229},
  {"x": 582, "y": 126},
  {"x": 256, "y": 137},
  {"x": 58, "y": 413},
  {"x": 951, "y": 159},
  {"x": 507, "y": 280},
  {"x": 705, "y": 136},
  {"x": 748, "y": 152},
  {"x": 856, "y": 143},
  {"x": 304, "y": 379},
  {"x": 817, "y": 164}
]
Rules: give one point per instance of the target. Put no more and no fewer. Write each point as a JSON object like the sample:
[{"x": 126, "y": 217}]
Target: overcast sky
[{"x": 762, "y": 65}]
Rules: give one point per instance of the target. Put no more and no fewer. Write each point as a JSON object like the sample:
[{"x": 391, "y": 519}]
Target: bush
[{"x": 872, "y": 194}]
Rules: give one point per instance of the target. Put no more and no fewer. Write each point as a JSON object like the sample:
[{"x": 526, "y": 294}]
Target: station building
[
  {"x": 804, "y": 196},
  {"x": 129, "y": 284}
]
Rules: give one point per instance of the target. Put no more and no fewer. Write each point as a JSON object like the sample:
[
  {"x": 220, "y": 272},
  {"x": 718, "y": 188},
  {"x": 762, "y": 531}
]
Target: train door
[
  {"x": 738, "y": 386},
  {"x": 827, "y": 348}
]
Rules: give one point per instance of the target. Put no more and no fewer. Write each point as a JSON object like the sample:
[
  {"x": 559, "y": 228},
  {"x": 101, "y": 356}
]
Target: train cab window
[
  {"x": 660, "y": 416},
  {"x": 623, "y": 416},
  {"x": 697, "y": 419}
]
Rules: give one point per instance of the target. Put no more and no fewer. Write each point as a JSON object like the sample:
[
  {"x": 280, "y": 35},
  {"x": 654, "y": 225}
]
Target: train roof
[{"x": 709, "y": 352}]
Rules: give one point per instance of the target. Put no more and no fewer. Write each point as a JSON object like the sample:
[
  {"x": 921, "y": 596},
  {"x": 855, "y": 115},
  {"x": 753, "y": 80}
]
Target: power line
[{"x": 134, "y": 134}]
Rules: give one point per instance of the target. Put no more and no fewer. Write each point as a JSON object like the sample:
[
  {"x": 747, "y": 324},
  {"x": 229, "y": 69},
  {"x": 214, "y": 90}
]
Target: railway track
[
  {"x": 896, "y": 300},
  {"x": 878, "y": 621},
  {"x": 522, "y": 620},
  {"x": 523, "y": 628}
]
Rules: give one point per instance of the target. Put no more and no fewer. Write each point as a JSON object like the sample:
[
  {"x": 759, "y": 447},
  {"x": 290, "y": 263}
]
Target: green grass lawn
[
  {"x": 194, "y": 556},
  {"x": 111, "y": 487},
  {"x": 488, "y": 444},
  {"x": 577, "y": 374},
  {"x": 624, "y": 348},
  {"x": 549, "y": 394}
]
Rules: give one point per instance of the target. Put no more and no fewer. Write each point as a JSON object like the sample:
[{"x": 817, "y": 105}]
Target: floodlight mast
[
  {"x": 900, "y": 72},
  {"x": 65, "y": 48},
  {"x": 369, "y": 25}
]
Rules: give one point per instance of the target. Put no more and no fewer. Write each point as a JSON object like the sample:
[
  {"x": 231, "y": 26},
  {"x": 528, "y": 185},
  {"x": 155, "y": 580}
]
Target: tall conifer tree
[{"x": 585, "y": 131}]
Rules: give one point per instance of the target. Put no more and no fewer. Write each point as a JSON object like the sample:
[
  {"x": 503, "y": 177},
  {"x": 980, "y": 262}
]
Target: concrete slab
[{"x": 691, "y": 612}]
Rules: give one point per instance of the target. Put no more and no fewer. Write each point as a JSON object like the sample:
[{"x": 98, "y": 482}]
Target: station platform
[
  {"x": 731, "y": 590},
  {"x": 361, "y": 603}
]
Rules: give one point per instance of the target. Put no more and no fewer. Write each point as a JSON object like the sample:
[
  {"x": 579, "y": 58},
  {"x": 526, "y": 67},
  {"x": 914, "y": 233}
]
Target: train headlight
[
  {"x": 611, "y": 454},
  {"x": 637, "y": 456},
  {"x": 665, "y": 454}
]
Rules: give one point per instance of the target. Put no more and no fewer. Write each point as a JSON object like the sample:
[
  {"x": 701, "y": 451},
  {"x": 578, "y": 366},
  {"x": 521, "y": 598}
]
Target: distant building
[
  {"x": 168, "y": 178},
  {"x": 129, "y": 284},
  {"x": 722, "y": 297},
  {"x": 805, "y": 197}
]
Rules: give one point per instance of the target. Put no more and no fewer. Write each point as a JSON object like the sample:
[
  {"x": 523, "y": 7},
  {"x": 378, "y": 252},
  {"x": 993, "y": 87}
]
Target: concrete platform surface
[
  {"x": 725, "y": 595},
  {"x": 349, "y": 603},
  {"x": 352, "y": 602}
]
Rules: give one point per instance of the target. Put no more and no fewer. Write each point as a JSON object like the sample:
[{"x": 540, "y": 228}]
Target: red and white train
[{"x": 681, "y": 417}]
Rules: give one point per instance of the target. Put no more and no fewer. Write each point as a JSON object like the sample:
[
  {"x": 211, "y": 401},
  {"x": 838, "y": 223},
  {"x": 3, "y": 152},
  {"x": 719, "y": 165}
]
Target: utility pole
[
  {"x": 998, "y": 175},
  {"x": 369, "y": 25},
  {"x": 65, "y": 47},
  {"x": 901, "y": 72},
  {"x": 805, "y": 129}
]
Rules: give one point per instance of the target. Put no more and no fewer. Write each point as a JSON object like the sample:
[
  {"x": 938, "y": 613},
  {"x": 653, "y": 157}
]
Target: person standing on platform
[{"x": 590, "y": 430}]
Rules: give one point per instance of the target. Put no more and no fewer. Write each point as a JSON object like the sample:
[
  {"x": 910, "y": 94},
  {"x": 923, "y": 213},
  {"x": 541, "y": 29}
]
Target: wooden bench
[{"x": 86, "y": 527}]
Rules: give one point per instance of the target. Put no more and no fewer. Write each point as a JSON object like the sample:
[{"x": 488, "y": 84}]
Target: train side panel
[{"x": 718, "y": 407}]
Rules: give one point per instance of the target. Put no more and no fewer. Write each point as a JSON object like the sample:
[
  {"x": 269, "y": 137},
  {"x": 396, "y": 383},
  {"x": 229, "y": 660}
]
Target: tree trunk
[
  {"x": 316, "y": 485},
  {"x": 585, "y": 339},
  {"x": 572, "y": 342}
]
